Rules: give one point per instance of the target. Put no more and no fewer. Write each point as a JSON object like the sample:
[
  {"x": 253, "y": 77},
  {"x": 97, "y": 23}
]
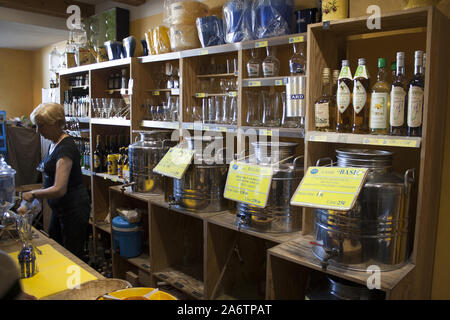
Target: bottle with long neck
[
  {"x": 397, "y": 119},
  {"x": 344, "y": 99},
  {"x": 380, "y": 102},
  {"x": 361, "y": 106},
  {"x": 324, "y": 111},
  {"x": 271, "y": 64},
  {"x": 415, "y": 97},
  {"x": 98, "y": 156},
  {"x": 297, "y": 63},
  {"x": 105, "y": 154}
]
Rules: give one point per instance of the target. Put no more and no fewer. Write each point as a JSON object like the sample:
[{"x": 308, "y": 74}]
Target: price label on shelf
[
  {"x": 204, "y": 52},
  {"x": 297, "y": 39},
  {"x": 261, "y": 44},
  {"x": 200, "y": 95},
  {"x": 248, "y": 183},
  {"x": 254, "y": 83},
  {"x": 318, "y": 138},
  {"x": 392, "y": 142},
  {"x": 279, "y": 82},
  {"x": 232, "y": 93},
  {"x": 330, "y": 188},
  {"x": 156, "y": 93},
  {"x": 175, "y": 163},
  {"x": 265, "y": 132}
]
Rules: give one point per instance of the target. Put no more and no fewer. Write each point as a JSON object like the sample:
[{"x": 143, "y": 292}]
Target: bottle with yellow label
[
  {"x": 380, "y": 102},
  {"x": 112, "y": 164},
  {"x": 344, "y": 99}
]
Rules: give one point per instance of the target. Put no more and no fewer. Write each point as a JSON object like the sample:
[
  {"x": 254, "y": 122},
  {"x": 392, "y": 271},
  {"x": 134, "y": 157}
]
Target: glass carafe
[
  {"x": 271, "y": 108},
  {"x": 254, "y": 114}
]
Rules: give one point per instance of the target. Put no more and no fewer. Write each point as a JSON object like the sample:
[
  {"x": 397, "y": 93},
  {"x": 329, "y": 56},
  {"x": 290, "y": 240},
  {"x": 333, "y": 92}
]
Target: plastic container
[
  {"x": 237, "y": 16},
  {"x": 272, "y": 18},
  {"x": 210, "y": 31},
  {"x": 160, "y": 41},
  {"x": 183, "y": 12},
  {"x": 114, "y": 49},
  {"x": 129, "y": 45},
  {"x": 127, "y": 237},
  {"x": 183, "y": 37}
]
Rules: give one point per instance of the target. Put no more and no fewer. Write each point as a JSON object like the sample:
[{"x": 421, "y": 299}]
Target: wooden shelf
[
  {"x": 364, "y": 139},
  {"x": 228, "y": 220},
  {"x": 221, "y": 75},
  {"x": 182, "y": 281},
  {"x": 273, "y": 131},
  {"x": 96, "y": 66},
  {"x": 142, "y": 262},
  {"x": 299, "y": 251},
  {"x": 160, "y": 124},
  {"x": 113, "y": 178},
  {"x": 106, "y": 227},
  {"x": 210, "y": 127},
  {"x": 265, "y": 82},
  {"x": 111, "y": 122},
  {"x": 78, "y": 119}
]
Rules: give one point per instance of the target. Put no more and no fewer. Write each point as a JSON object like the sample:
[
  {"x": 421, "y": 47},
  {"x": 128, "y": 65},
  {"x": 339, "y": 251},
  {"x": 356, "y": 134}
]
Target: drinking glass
[
  {"x": 159, "y": 113},
  {"x": 226, "y": 110},
  {"x": 205, "y": 110},
  {"x": 106, "y": 107},
  {"x": 254, "y": 113},
  {"x": 211, "y": 110},
  {"x": 166, "y": 112},
  {"x": 233, "y": 111},
  {"x": 195, "y": 113},
  {"x": 271, "y": 106},
  {"x": 153, "y": 114}
]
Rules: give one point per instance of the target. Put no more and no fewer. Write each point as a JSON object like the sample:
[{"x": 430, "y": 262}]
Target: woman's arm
[{"x": 59, "y": 188}]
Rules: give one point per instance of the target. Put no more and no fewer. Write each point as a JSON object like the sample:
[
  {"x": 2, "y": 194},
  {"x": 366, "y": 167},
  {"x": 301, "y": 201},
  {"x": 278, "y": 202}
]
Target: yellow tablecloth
[{"x": 56, "y": 273}]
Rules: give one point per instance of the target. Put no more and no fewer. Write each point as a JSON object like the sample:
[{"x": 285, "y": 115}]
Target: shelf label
[
  {"x": 330, "y": 188},
  {"x": 200, "y": 95},
  {"x": 232, "y": 93},
  {"x": 156, "y": 93},
  {"x": 222, "y": 129},
  {"x": 254, "y": 83},
  {"x": 392, "y": 142},
  {"x": 175, "y": 92},
  {"x": 265, "y": 132},
  {"x": 204, "y": 52},
  {"x": 261, "y": 44},
  {"x": 248, "y": 183},
  {"x": 318, "y": 138},
  {"x": 279, "y": 82},
  {"x": 297, "y": 39},
  {"x": 175, "y": 163}
]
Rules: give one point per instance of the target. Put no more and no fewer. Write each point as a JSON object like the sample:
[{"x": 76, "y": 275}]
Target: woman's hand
[{"x": 28, "y": 196}]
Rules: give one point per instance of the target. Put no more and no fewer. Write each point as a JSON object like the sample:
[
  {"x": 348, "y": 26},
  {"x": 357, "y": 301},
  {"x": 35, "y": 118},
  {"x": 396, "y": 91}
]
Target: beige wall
[{"x": 16, "y": 79}]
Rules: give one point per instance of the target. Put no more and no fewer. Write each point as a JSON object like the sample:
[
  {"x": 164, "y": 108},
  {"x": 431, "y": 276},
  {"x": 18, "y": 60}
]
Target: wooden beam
[
  {"x": 56, "y": 8},
  {"x": 132, "y": 2}
]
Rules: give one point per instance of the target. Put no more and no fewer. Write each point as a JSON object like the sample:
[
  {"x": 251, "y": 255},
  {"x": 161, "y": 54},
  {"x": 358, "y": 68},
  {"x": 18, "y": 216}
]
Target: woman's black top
[{"x": 66, "y": 148}]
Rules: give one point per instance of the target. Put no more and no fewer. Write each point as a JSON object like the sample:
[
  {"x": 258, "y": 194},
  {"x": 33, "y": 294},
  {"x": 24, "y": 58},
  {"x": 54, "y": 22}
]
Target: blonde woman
[{"x": 63, "y": 180}]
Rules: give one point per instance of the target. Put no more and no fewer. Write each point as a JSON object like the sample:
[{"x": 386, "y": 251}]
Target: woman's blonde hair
[{"x": 49, "y": 114}]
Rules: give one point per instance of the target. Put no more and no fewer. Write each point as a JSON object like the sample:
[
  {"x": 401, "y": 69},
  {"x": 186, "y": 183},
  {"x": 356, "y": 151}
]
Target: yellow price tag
[
  {"x": 330, "y": 188},
  {"x": 222, "y": 129},
  {"x": 248, "y": 183},
  {"x": 200, "y": 95},
  {"x": 392, "y": 142},
  {"x": 279, "y": 82},
  {"x": 156, "y": 93},
  {"x": 265, "y": 132},
  {"x": 204, "y": 52},
  {"x": 232, "y": 94},
  {"x": 318, "y": 138},
  {"x": 261, "y": 44},
  {"x": 175, "y": 163},
  {"x": 254, "y": 83},
  {"x": 297, "y": 39}
]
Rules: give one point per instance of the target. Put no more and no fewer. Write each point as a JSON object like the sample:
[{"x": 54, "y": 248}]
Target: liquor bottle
[
  {"x": 393, "y": 71},
  {"x": 344, "y": 99},
  {"x": 271, "y": 64},
  {"x": 124, "y": 79},
  {"x": 297, "y": 63},
  {"x": 380, "y": 102},
  {"x": 81, "y": 149},
  {"x": 120, "y": 162},
  {"x": 415, "y": 97},
  {"x": 361, "y": 105},
  {"x": 105, "y": 154},
  {"x": 98, "y": 157},
  {"x": 254, "y": 64},
  {"x": 397, "y": 118},
  {"x": 87, "y": 161},
  {"x": 324, "y": 109}
]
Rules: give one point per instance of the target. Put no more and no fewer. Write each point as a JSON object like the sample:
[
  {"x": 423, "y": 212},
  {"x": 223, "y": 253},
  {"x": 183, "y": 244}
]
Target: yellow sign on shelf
[
  {"x": 248, "y": 183},
  {"x": 330, "y": 188},
  {"x": 175, "y": 163},
  {"x": 392, "y": 142},
  {"x": 261, "y": 44},
  {"x": 200, "y": 95},
  {"x": 297, "y": 39},
  {"x": 254, "y": 83}
]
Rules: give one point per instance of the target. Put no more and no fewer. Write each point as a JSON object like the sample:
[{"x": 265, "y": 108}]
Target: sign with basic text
[{"x": 330, "y": 188}]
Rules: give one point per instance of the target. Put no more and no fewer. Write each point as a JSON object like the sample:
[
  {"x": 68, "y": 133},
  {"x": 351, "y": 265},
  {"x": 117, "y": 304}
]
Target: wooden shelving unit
[{"x": 196, "y": 253}]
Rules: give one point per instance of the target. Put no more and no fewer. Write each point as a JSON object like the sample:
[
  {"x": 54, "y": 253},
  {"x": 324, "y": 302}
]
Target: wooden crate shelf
[{"x": 182, "y": 281}]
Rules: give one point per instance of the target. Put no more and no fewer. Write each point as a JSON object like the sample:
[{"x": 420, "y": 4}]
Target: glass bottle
[
  {"x": 397, "y": 119},
  {"x": 324, "y": 112},
  {"x": 393, "y": 71},
  {"x": 344, "y": 99},
  {"x": 361, "y": 106},
  {"x": 98, "y": 156},
  {"x": 254, "y": 64},
  {"x": 380, "y": 102},
  {"x": 297, "y": 63},
  {"x": 415, "y": 97},
  {"x": 271, "y": 64}
]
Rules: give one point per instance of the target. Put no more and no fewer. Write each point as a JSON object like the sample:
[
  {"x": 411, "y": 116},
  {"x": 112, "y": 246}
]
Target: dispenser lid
[
  {"x": 121, "y": 223},
  {"x": 5, "y": 169}
]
